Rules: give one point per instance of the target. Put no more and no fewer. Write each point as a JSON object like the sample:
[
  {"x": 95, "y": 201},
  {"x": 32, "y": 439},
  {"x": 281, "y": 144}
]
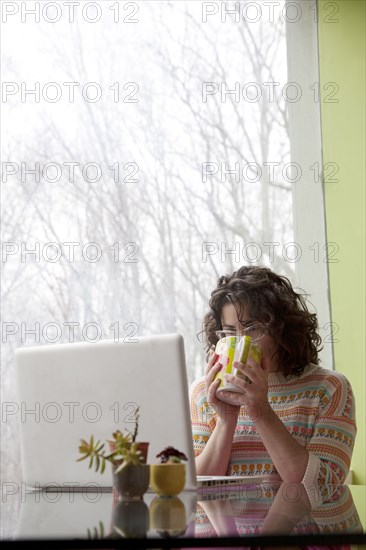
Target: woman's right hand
[{"x": 223, "y": 410}]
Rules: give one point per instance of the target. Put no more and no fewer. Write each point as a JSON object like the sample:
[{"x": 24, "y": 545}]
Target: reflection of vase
[
  {"x": 168, "y": 516},
  {"x": 132, "y": 481},
  {"x": 167, "y": 479},
  {"x": 130, "y": 519}
]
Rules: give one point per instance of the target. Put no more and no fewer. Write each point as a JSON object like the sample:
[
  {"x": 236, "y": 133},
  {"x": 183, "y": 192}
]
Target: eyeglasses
[{"x": 256, "y": 331}]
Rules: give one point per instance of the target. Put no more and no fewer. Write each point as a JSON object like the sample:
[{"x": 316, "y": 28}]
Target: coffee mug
[{"x": 234, "y": 348}]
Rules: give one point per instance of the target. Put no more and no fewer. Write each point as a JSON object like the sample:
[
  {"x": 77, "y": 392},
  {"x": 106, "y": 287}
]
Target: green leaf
[{"x": 81, "y": 458}]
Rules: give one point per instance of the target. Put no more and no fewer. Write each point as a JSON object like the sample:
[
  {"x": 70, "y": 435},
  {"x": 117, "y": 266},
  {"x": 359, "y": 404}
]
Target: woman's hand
[
  {"x": 215, "y": 458},
  {"x": 253, "y": 394},
  {"x": 223, "y": 410}
]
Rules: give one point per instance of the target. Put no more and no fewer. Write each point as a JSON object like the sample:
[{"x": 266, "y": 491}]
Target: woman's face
[{"x": 230, "y": 321}]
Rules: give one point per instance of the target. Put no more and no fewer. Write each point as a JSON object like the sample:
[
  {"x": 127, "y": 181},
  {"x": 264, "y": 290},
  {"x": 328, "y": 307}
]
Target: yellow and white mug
[{"x": 230, "y": 349}]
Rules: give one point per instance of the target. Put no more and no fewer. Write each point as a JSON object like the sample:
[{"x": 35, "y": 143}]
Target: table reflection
[
  {"x": 275, "y": 510},
  {"x": 264, "y": 510},
  {"x": 165, "y": 517}
]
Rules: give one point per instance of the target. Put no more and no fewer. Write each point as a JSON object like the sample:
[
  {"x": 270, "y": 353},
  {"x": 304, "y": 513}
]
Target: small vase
[
  {"x": 167, "y": 479},
  {"x": 132, "y": 482}
]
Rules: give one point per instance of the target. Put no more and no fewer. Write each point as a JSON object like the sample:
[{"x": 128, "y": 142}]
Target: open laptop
[{"x": 71, "y": 391}]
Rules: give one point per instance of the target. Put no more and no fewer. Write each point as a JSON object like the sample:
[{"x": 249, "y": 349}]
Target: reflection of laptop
[{"x": 70, "y": 391}]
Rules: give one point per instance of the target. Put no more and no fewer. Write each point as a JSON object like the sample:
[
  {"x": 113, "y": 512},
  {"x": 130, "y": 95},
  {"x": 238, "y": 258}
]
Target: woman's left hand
[{"x": 256, "y": 392}]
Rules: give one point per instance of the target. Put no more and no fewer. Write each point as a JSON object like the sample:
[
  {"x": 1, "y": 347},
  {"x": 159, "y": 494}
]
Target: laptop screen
[{"x": 71, "y": 391}]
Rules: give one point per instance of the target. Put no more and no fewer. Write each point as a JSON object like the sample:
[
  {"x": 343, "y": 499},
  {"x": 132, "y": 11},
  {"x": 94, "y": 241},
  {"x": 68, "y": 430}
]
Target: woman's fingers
[
  {"x": 212, "y": 361},
  {"x": 210, "y": 376},
  {"x": 211, "y": 392},
  {"x": 250, "y": 372},
  {"x": 258, "y": 368},
  {"x": 209, "y": 354},
  {"x": 236, "y": 398},
  {"x": 238, "y": 382},
  {"x": 213, "y": 367},
  {"x": 209, "y": 363}
]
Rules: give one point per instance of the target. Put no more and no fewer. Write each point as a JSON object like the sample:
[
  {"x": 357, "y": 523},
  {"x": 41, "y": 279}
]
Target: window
[{"x": 151, "y": 147}]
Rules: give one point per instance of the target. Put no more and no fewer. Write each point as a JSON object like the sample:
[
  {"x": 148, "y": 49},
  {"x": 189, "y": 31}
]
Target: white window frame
[{"x": 309, "y": 217}]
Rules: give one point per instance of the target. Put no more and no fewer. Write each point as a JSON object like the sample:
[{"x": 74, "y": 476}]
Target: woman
[{"x": 295, "y": 419}]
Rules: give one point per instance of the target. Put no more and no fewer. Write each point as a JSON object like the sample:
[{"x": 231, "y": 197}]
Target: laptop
[{"x": 71, "y": 391}]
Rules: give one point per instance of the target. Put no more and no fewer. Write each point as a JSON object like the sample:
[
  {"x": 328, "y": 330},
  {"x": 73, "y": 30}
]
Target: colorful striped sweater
[{"x": 317, "y": 409}]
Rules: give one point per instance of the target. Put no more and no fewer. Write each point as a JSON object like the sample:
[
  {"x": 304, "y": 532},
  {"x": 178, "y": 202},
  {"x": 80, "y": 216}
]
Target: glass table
[{"x": 251, "y": 516}]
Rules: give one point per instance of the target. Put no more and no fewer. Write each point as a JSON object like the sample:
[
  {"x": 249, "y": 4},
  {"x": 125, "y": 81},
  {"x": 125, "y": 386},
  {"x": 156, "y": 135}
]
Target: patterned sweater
[{"x": 317, "y": 409}]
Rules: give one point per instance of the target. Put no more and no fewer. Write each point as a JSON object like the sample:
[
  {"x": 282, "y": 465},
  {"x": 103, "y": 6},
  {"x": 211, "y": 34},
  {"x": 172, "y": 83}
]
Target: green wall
[{"x": 342, "y": 61}]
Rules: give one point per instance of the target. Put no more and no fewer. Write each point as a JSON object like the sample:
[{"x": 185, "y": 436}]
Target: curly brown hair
[{"x": 270, "y": 299}]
